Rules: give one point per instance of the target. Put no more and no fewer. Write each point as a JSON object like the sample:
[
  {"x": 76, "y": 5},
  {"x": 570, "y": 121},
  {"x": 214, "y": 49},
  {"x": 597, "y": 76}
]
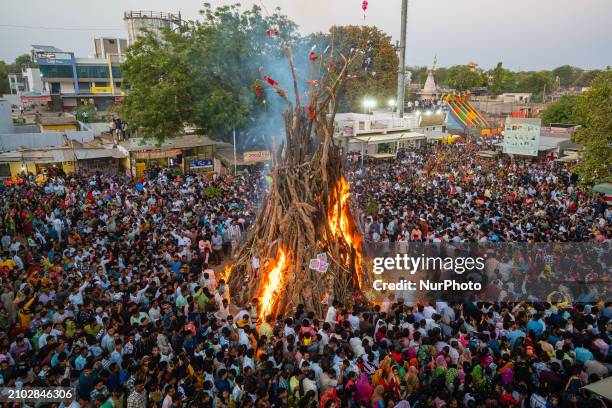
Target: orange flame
[
  {"x": 272, "y": 283},
  {"x": 341, "y": 223},
  {"x": 227, "y": 272}
]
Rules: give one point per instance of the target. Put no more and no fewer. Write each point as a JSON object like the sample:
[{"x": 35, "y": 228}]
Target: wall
[
  {"x": 16, "y": 168},
  {"x": 58, "y": 128},
  {"x": 68, "y": 167},
  {"x": 6, "y": 117},
  {"x": 32, "y": 76},
  {"x": 67, "y": 87}
]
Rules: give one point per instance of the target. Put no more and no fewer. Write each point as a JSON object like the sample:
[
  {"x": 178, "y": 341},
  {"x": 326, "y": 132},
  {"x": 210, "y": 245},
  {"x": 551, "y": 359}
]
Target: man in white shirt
[{"x": 330, "y": 317}]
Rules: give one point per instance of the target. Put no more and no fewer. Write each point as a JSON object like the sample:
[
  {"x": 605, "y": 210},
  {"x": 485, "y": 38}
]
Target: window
[
  {"x": 92, "y": 71},
  {"x": 56, "y": 71}
]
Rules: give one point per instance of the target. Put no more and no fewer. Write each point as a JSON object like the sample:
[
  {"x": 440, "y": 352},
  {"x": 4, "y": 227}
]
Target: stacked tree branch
[{"x": 305, "y": 213}]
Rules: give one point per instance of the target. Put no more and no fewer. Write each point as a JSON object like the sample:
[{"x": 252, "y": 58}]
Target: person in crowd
[{"x": 122, "y": 302}]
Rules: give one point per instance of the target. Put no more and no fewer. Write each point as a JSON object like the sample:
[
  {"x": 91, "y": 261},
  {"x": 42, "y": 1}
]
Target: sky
[{"x": 524, "y": 34}]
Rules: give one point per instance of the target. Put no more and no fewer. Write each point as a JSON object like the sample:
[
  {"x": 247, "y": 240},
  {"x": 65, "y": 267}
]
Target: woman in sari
[
  {"x": 378, "y": 397},
  {"x": 364, "y": 389},
  {"x": 477, "y": 376},
  {"x": 451, "y": 375},
  {"x": 412, "y": 379}
]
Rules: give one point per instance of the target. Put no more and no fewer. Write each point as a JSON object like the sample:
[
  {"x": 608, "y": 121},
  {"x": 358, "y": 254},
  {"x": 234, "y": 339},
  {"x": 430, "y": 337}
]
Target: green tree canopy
[
  {"x": 595, "y": 107},
  {"x": 464, "y": 78},
  {"x": 377, "y": 74},
  {"x": 496, "y": 82},
  {"x": 562, "y": 111},
  {"x": 202, "y": 75}
]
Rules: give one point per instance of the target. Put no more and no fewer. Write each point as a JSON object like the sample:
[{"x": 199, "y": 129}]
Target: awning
[
  {"x": 567, "y": 159},
  {"x": 602, "y": 387},
  {"x": 605, "y": 188},
  {"x": 86, "y": 154},
  {"x": 382, "y": 155},
  {"x": 390, "y": 137},
  {"x": 487, "y": 153},
  {"x": 155, "y": 153}
]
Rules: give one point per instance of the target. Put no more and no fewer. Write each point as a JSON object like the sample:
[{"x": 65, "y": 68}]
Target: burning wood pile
[{"x": 305, "y": 236}]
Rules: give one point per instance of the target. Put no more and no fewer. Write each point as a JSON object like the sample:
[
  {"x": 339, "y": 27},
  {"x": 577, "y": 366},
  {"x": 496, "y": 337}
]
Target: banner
[
  {"x": 155, "y": 153},
  {"x": 201, "y": 164},
  {"x": 257, "y": 156},
  {"x": 36, "y": 99},
  {"x": 101, "y": 89}
]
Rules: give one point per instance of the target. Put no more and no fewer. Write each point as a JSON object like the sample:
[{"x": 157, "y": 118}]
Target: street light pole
[
  {"x": 235, "y": 170},
  {"x": 401, "y": 82}
]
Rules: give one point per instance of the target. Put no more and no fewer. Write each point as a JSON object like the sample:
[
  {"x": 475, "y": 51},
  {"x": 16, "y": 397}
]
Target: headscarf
[
  {"x": 378, "y": 394},
  {"x": 441, "y": 362},
  {"x": 451, "y": 375},
  {"x": 364, "y": 389},
  {"x": 477, "y": 376},
  {"x": 506, "y": 376},
  {"x": 439, "y": 371}
]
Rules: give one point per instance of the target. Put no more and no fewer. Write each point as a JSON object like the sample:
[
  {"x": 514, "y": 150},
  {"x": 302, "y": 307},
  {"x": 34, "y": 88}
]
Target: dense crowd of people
[
  {"x": 449, "y": 193},
  {"x": 115, "y": 287}
]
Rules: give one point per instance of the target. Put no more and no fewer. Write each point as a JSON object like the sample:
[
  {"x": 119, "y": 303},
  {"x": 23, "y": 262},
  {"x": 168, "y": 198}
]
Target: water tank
[{"x": 154, "y": 21}]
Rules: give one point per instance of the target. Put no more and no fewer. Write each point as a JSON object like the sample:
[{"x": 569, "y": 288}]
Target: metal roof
[
  {"x": 390, "y": 137},
  {"x": 85, "y": 154},
  {"x": 46, "y": 48},
  {"x": 179, "y": 142},
  {"x": 31, "y": 140}
]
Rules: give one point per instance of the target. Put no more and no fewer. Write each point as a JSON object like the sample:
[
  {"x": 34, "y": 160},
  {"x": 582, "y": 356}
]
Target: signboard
[
  {"x": 101, "y": 89},
  {"x": 53, "y": 58},
  {"x": 257, "y": 156},
  {"x": 155, "y": 153},
  {"x": 557, "y": 131},
  {"x": 522, "y": 139},
  {"x": 348, "y": 131},
  {"x": 201, "y": 164},
  {"x": 36, "y": 99}
]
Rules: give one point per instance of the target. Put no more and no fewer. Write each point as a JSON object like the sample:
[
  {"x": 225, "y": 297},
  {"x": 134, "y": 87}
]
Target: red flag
[{"x": 270, "y": 80}]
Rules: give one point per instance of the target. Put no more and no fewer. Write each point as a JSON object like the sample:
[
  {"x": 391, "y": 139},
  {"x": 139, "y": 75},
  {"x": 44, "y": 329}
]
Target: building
[
  {"x": 72, "y": 81},
  {"x": 382, "y": 134},
  {"x": 154, "y": 21},
  {"x": 184, "y": 152},
  {"x": 109, "y": 46},
  {"x": 506, "y": 104},
  {"x": 36, "y": 149},
  {"x": 16, "y": 83},
  {"x": 26, "y": 81}
]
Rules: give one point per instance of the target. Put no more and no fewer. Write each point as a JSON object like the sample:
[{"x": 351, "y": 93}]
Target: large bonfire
[{"x": 305, "y": 236}]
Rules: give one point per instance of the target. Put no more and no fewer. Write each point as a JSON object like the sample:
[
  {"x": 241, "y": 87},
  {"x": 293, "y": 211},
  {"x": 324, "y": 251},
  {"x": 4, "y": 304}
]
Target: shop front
[{"x": 145, "y": 159}]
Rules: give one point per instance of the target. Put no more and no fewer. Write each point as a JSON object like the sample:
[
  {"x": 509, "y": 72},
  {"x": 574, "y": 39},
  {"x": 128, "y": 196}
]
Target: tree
[
  {"x": 159, "y": 76},
  {"x": 496, "y": 83},
  {"x": 376, "y": 68},
  {"x": 586, "y": 77},
  {"x": 562, "y": 111},
  {"x": 534, "y": 82},
  {"x": 418, "y": 74},
  {"x": 5, "y": 70},
  {"x": 204, "y": 74},
  {"x": 595, "y": 106},
  {"x": 464, "y": 78},
  {"x": 23, "y": 61},
  {"x": 567, "y": 74}
]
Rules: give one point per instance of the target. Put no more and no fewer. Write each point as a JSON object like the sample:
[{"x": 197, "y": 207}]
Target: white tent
[{"x": 602, "y": 387}]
